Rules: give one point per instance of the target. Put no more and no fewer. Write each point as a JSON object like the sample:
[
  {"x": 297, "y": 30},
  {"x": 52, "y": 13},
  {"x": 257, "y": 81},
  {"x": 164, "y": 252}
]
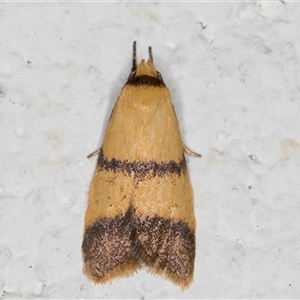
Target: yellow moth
[{"x": 140, "y": 210}]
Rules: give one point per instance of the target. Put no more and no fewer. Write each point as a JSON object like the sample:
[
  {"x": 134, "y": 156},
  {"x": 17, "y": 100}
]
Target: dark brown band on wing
[
  {"x": 164, "y": 244},
  {"x": 105, "y": 247},
  {"x": 142, "y": 169},
  {"x": 161, "y": 244},
  {"x": 145, "y": 80}
]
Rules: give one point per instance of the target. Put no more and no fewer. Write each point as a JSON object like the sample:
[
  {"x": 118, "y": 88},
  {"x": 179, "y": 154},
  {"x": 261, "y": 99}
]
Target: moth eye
[
  {"x": 159, "y": 76},
  {"x": 131, "y": 75}
]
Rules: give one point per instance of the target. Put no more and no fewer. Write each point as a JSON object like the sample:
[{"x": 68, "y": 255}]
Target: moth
[{"x": 140, "y": 211}]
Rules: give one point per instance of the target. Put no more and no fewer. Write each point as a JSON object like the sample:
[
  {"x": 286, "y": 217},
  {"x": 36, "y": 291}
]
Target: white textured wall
[{"x": 235, "y": 87}]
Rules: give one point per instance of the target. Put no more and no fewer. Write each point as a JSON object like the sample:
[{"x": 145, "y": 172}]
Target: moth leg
[
  {"x": 190, "y": 152},
  {"x": 94, "y": 153}
]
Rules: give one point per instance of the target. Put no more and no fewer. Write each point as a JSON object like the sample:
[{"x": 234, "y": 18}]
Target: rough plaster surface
[{"x": 233, "y": 71}]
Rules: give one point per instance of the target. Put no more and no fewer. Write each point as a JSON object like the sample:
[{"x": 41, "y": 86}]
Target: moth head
[{"x": 144, "y": 68}]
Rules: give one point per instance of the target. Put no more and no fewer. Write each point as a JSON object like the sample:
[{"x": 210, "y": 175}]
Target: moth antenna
[
  {"x": 150, "y": 53},
  {"x": 134, "y": 56}
]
